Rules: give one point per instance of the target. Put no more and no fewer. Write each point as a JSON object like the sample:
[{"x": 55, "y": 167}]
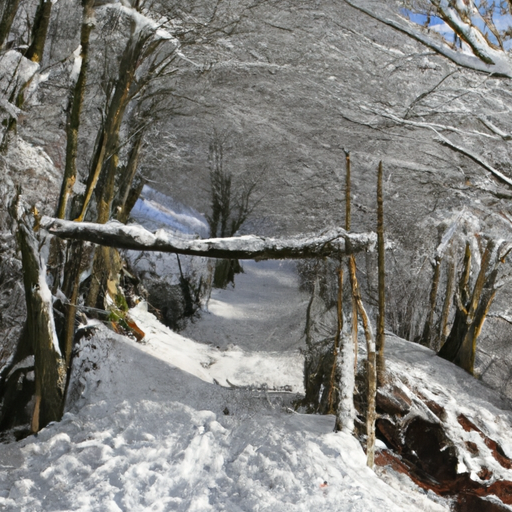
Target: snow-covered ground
[
  {"x": 265, "y": 311},
  {"x": 148, "y": 429}
]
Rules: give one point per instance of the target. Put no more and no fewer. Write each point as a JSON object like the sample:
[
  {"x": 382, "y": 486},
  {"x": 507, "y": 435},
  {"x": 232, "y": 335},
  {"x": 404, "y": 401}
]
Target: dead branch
[{"x": 121, "y": 236}]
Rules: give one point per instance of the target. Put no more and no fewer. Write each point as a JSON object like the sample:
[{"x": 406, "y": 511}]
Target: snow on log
[{"x": 133, "y": 236}]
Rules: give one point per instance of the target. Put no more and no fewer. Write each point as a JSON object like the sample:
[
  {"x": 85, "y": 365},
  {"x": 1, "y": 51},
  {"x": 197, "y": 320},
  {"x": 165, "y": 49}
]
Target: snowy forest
[{"x": 255, "y": 255}]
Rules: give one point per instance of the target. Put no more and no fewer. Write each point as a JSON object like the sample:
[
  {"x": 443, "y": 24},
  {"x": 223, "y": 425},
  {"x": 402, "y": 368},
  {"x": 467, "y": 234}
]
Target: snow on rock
[{"x": 444, "y": 429}]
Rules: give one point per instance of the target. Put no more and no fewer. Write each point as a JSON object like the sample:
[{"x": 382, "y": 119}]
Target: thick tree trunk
[
  {"x": 115, "y": 234},
  {"x": 460, "y": 346},
  {"x": 50, "y": 367},
  {"x": 39, "y": 31}
]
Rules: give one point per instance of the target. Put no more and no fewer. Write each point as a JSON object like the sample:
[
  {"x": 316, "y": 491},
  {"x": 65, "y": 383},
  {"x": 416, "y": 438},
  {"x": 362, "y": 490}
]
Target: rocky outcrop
[{"x": 421, "y": 443}]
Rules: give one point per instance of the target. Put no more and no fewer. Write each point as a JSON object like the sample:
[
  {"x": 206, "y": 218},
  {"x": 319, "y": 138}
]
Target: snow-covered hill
[{"x": 147, "y": 427}]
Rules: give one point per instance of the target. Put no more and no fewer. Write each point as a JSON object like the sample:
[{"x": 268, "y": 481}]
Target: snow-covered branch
[
  {"x": 480, "y": 161},
  {"x": 115, "y": 234},
  {"x": 496, "y": 62}
]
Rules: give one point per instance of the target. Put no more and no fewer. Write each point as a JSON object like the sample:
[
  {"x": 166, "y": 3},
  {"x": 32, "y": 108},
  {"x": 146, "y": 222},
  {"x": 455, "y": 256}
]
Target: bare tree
[{"x": 231, "y": 205}]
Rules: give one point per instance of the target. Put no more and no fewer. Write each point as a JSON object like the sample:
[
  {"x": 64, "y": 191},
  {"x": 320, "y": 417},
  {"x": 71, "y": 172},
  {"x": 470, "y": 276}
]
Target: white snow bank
[
  {"x": 155, "y": 210},
  {"x": 457, "y": 393}
]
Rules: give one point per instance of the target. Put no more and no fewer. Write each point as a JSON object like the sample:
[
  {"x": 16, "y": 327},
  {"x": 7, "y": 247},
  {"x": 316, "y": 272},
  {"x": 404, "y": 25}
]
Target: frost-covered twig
[{"x": 422, "y": 124}]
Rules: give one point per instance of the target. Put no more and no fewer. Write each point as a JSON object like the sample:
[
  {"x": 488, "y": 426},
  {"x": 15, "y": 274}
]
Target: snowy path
[
  {"x": 265, "y": 310},
  {"x": 146, "y": 430},
  {"x": 231, "y": 366}
]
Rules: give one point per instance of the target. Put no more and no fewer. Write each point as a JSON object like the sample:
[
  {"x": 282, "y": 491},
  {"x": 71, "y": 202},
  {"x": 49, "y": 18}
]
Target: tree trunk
[
  {"x": 9, "y": 12},
  {"x": 107, "y": 165},
  {"x": 75, "y": 108},
  {"x": 50, "y": 367},
  {"x": 115, "y": 234},
  {"x": 371, "y": 366},
  {"x": 460, "y": 346},
  {"x": 426, "y": 336},
  {"x": 122, "y": 206},
  {"x": 333, "y": 386},
  {"x": 448, "y": 297},
  {"x": 125, "y": 209},
  {"x": 106, "y": 154},
  {"x": 39, "y": 31},
  {"x": 70, "y": 289},
  {"x": 381, "y": 339}
]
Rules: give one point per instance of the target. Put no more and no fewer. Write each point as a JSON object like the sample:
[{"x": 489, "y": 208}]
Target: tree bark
[
  {"x": 339, "y": 314},
  {"x": 348, "y": 219},
  {"x": 115, "y": 234},
  {"x": 76, "y": 102},
  {"x": 426, "y": 336},
  {"x": 9, "y": 12},
  {"x": 460, "y": 346},
  {"x": 70, "y": 289},
  {"x": 371, "y": 366},
  {"x": 381, "y": 318},
  {"x": 122, "y": 205},
  {"x": 50, "y": 368},
  {"x": 448, "y": 297},
  {"x": 39, "y": 31}
]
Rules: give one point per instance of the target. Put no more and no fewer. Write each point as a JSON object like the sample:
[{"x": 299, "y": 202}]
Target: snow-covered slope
[
  {"x": 145, "y": 435},
  {"x": 143, "y": 432},
  {"x": 147, "y": 427}
]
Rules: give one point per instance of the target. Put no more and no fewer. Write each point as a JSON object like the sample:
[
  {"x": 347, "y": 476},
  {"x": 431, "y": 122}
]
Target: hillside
[
  {"x": 185, "y": 380},
  {"x": 146, "y": 427}
]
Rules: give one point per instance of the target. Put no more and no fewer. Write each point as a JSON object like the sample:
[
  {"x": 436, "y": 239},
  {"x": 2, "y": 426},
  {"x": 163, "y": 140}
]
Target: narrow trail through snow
[
  {"x": 265, "y": 311},
  {"x": 147, "y": 430}
]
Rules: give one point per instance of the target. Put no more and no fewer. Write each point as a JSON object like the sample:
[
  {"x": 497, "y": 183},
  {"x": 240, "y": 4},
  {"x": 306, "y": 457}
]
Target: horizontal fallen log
[{"x": 133, "y": 236}]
